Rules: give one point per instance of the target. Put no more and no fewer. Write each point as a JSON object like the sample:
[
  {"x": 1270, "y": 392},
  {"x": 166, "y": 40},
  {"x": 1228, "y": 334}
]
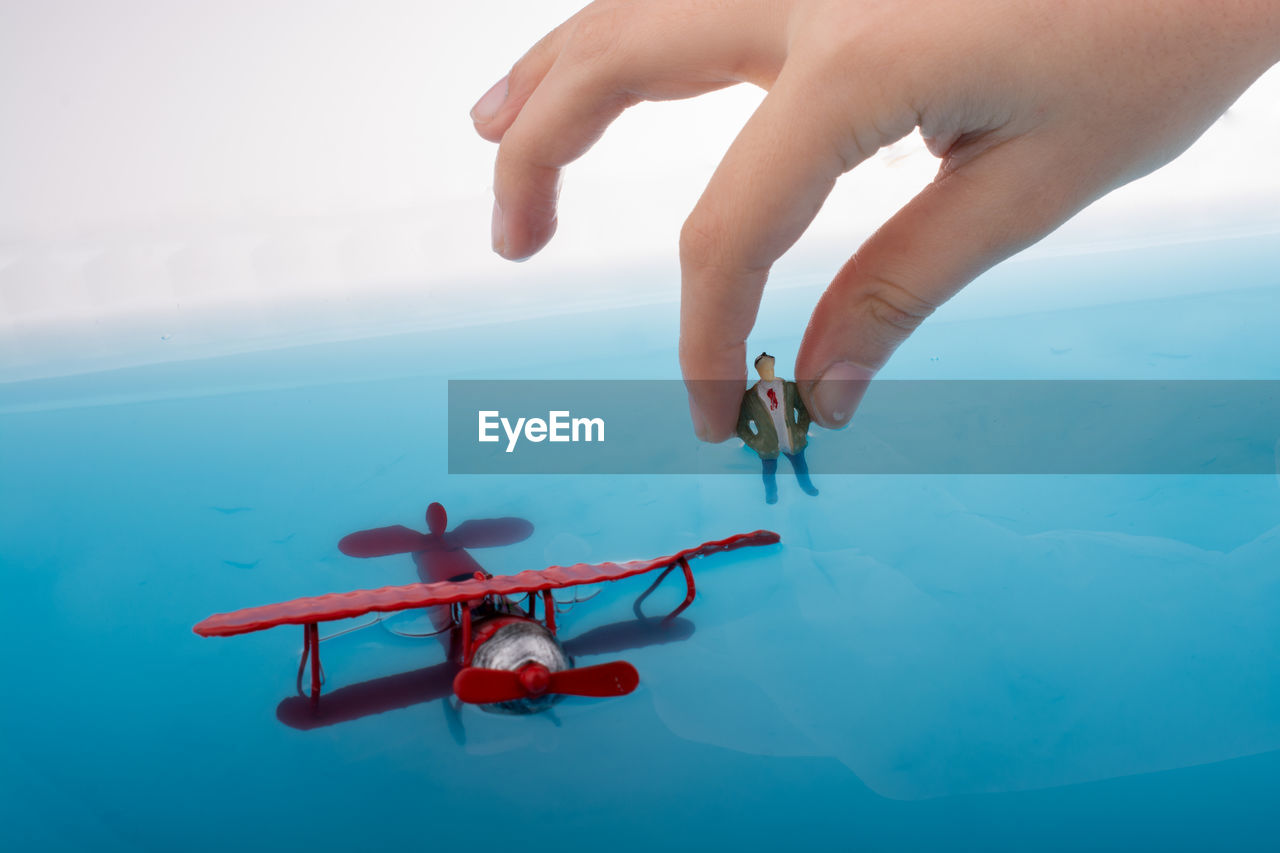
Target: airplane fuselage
[{"x": 511, "y": 641}]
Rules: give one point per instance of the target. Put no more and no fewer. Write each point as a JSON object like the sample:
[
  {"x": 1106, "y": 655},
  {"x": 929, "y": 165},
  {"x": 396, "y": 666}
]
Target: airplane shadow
[{"x": 403, "y": 690}]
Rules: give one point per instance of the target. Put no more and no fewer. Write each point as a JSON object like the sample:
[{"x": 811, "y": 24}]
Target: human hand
[{"x": 1035, "y": 107}]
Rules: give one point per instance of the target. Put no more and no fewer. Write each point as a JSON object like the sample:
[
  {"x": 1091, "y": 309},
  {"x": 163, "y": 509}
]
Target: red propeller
[{"x": 484, "y": 686}]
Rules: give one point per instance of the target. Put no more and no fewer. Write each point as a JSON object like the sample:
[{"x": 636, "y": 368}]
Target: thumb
[{"x": 966, "y": 221}]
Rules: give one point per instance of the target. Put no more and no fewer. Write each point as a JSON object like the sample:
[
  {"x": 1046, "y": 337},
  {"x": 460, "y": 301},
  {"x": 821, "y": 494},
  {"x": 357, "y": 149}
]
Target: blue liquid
[{"x": 997, "y": 663}]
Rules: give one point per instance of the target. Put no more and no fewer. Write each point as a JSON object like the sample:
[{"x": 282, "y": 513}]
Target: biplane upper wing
[{"x": 343, "y": 605}]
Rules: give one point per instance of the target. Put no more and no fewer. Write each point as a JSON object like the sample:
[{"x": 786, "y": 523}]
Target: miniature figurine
[{"x": 773, "y": 421}]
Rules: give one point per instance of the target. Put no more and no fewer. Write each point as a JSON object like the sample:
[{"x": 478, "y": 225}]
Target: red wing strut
[{"x": 343, "y": 605}]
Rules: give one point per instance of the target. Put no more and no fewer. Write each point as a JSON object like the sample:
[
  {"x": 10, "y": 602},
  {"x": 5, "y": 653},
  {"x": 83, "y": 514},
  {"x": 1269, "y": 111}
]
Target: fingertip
[
  {"x": 529, "y": 196},
  {"x": 519, "y": 241},
  {"x": 712, "y": 423},
  {"x": 490, "y": 103},
  {"x": 497, "y": 110},
  {"x": 488, "y": 131},
  {"x": 498, "y": 232},
  {"x": 713, "y": 407},
  {"x": 835, "y": 395},
  {"x": 713, "y": 361},
  {"x": 712, "y": 426},
  {"x": 699, "y": 422}
]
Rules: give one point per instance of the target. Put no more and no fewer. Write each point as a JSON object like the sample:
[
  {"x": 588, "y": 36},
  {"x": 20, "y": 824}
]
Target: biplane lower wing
[{"x": 343, "y": 605}]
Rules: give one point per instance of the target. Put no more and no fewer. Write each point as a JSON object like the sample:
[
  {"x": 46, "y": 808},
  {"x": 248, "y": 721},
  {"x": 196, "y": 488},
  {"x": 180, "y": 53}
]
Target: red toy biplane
[{"x": 510, "y": 660}]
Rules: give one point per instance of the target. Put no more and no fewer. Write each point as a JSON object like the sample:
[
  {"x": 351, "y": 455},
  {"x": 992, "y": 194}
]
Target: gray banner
[{"x": 902, "y": 427}]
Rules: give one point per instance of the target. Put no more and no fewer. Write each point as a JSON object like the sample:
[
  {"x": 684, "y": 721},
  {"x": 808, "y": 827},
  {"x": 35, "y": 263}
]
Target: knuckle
[
  {"x": 707, "y": 245},
  {"x": 864, "y": 76},
  {"x": 512, "y": 155},
  {"x": 894, "y": 310},
  {"x": 519, "y": 78},
  {"x": 842, "y": 38},
  {"x": 528, "y": 69},
  {"x": 700, "y": 242},
  {"x": 595, "y": 35}
]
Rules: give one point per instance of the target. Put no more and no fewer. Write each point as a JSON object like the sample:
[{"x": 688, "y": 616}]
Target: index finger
[{"x": 761, "y": 198}]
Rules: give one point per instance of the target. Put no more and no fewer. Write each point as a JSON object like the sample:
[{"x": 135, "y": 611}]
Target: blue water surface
[{"x": 993, "y": 663}]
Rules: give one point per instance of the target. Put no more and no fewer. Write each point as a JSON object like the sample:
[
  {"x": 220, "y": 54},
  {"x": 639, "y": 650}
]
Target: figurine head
[{"x": 764, "y": 366}]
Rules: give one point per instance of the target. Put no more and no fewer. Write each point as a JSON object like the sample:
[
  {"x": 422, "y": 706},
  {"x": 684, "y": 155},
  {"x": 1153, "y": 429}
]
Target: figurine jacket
[{"x": 764, "y": 439}]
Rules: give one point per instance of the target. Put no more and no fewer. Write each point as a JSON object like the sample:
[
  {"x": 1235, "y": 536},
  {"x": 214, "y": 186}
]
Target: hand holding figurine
[{"x": 1035, "y": 108}]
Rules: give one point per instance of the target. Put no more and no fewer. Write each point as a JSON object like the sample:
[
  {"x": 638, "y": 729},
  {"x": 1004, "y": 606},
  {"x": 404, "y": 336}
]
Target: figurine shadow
[{"x": 406, "y": 689}]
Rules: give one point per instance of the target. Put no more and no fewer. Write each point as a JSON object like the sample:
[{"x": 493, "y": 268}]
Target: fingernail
[
  {"x": 490, "y": 102},
  {"x": 499, "y": 235},
  {"x": 837, "y": 393}
]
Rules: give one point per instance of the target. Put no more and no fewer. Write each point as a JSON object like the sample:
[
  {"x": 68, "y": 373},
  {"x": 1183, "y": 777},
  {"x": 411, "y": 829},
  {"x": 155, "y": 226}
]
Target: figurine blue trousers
[{"x": 770, "y": 475}]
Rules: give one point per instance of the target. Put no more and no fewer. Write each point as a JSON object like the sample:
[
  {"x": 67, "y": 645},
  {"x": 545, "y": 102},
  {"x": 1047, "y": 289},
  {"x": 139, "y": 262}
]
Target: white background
[{"x": 167, "y": 165}]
